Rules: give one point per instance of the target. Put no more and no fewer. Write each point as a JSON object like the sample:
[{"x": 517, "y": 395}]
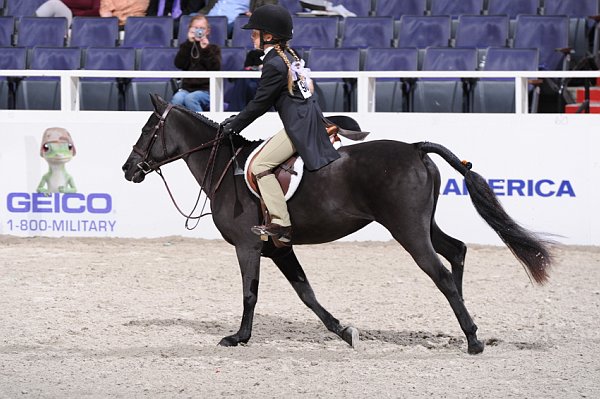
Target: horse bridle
[
  {"x": 147, "y": 165},
  {"x": 158, "y": 130}
]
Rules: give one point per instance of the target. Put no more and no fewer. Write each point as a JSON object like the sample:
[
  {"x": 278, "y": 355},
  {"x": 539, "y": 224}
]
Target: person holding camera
[{"x": 196, "y": 54}]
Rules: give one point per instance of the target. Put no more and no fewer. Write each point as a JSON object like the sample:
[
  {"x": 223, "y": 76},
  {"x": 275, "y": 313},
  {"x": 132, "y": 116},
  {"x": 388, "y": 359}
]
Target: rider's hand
[{"x": 227, "y": 126}]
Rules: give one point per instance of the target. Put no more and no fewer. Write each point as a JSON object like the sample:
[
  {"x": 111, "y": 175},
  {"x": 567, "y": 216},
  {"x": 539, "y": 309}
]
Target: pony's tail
[{"x": 531, "y": 250}]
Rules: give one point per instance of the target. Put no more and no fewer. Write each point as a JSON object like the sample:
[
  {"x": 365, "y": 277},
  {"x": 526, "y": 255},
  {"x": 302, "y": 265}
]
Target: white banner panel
[{"x": 543, "y": 168}]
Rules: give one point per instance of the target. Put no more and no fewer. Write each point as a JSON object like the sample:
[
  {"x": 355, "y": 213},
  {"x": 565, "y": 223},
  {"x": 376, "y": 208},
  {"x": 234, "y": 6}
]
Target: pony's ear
[{"x": 158, "y": 102}]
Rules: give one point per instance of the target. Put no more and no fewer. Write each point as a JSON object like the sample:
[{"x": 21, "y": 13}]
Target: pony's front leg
[
  {"x": 293, "y": 272},
  {"x": 249, "y": 260}
]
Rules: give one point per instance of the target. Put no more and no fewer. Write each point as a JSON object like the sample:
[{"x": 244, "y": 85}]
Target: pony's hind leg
[
  {"x": 293, "y": 272},
  {"x": 453, "y": 250},
  {"x": 424, "y": 254}
]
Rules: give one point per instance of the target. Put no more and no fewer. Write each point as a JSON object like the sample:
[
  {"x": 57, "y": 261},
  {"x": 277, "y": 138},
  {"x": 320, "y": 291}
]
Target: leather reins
[{"x": 147, "y": 165}]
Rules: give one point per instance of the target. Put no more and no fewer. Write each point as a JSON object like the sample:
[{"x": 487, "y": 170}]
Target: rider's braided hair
[{"x": 281, "y": 53}]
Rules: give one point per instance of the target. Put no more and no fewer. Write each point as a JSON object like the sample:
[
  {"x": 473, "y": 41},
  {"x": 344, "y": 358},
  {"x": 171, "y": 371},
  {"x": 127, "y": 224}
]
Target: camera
[{"x": 199, "y": 33}]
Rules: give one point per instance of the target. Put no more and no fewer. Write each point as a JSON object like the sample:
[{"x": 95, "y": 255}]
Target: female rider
[{"x": 284, "y": 85}]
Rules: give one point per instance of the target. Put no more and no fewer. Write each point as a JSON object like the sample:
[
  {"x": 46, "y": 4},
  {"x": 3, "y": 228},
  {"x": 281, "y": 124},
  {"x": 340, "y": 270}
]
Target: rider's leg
[{"x": 277, "y": 150}]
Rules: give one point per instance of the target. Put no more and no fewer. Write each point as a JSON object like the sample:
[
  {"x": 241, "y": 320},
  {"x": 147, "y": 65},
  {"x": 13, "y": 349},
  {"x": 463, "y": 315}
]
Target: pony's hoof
[
  {"x": 476, "y": 347},
  {"x": 229, "y": 341},
  {"x": 351, "y": 336}
]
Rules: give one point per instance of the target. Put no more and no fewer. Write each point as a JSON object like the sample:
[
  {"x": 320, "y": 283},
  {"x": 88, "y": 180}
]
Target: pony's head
[{"x": 153, "y": 145}]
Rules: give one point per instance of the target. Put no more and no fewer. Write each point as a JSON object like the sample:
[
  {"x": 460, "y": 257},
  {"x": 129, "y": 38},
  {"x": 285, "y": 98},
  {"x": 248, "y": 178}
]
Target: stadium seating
[
  {"x": 7, "y": 28},
  {"x": 583, "y": 31},
  {"x": 311, "y": 31},
  {"x": 498, "y": 95},
  {"x": 21, "y": 8},
  {"x": 106, "y": 94},
  {"x": 392, "y": 95},
  {"x": 454, "y": 8},
  {"x": 444, "y": 95},
  {"x": 512, "y": 8},
  {"x": 362, "y": 8},
  {"x": 397, "y": 8},
  {"x": 137, "y": 96},
  {"x": 481, "y": 31},
  {"x": 43, "y": 92},
  {"x": 94, "y": 32},
  {"x": 10, "y": 58},
  {"x": 422, "y": 31},
  {"x": 293, "y": 6},
  {"x": 368, "y": 32},
  {"x": 37, "y": 31},
  {"x": 232, "y": 59},
  {"x": 549, "y": 34},
  {"x": 335, "y": 95},
  {"x": 148, "y": 32},
  {"x": 241, "y": 37}
]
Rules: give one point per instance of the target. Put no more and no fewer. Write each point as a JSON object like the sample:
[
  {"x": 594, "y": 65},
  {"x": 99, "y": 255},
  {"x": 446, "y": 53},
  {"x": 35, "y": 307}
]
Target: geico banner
[{"x": 61, "y": 174}]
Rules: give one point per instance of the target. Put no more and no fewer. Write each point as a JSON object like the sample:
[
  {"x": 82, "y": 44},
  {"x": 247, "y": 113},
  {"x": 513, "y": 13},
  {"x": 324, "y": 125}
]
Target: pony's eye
[
  {"x": 70, "y": 146},
  {"x": 46, "y": 148}
]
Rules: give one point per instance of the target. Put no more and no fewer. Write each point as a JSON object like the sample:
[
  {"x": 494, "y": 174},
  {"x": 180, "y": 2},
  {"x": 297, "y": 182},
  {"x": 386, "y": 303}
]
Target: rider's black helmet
[{"x": 272, "y": 19}]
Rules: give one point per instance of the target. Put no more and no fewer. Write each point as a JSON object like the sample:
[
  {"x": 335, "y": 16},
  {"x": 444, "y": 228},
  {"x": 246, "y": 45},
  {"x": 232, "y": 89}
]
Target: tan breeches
[{"x": 277, "y": 150}]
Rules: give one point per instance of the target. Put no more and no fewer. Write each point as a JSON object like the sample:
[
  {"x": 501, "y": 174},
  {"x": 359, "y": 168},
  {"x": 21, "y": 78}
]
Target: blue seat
[
  {"x": 583, "y": 31},
  {"x": 107, "y": 94},
  {"x": 232, "y": 59},
  {"x": 368, "y": 32},
  {"x": 10, "y": 58},
  {"x": 335, "y": 95},
  {"x": 397, "y": 8},
  {"x": 512, "y": 8},
  {"x": 293, "y": 6},
  {"x": 444, "y": 95},
  {"x": 482, "y": 31},
  {"x": 44, "y": 92},
  {"x": 137, "y": 96},
  {"x": 361, "y": 8},
  {"x": 38, "y": 31},
  {"x": 548, "y": 33},
  {"x": 311, "y": 31},
  {"x": 424, "y": 31},
  {"x": 241, "y": 37},
  {"x": 218, "y": 29},
  {"x": 7, "y": 28},
  {"x": 94, "y": 32},
  {"x": 498, "y": 95},
  {"x": 148, "y": 32},
  {"x": 454, "y": 8},
  {"x": 22, "y": 8},
  {"x": 391, "y": 95}
]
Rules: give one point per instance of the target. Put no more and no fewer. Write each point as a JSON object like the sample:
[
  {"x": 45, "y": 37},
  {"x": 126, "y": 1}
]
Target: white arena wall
[{"x": 544, "y": 167}]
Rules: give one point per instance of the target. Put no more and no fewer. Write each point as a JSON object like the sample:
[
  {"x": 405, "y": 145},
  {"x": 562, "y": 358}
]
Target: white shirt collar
[{"x": 267, "y": 52}]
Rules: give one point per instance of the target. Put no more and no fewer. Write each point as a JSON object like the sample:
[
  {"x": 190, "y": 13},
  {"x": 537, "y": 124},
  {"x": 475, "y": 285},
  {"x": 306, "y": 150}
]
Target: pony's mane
[{"x": 239, "y": 139}]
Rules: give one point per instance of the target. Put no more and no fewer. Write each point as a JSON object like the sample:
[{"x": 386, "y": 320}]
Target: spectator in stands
[
  {"x": 233, "y": 8},
  {"x": 174, "y": 8},
  {"x": 123, "y": 9},
  {"x": 69, "y": 8},
  {"x": 285, "y": 85},
  {"x": 196, "y": 54}
]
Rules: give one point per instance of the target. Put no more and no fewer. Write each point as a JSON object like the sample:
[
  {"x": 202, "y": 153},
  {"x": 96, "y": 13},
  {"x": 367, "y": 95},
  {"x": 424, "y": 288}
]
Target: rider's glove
[{"x": 227, "y": 126}]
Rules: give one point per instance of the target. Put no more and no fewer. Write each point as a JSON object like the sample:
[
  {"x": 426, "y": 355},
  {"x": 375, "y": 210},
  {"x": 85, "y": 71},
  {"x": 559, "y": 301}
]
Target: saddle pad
[{"x": 294, "y": 179}]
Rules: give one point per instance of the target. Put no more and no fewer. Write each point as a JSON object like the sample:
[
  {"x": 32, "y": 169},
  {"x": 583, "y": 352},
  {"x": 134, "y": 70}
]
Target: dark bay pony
[{"x": 393, "y": 183}]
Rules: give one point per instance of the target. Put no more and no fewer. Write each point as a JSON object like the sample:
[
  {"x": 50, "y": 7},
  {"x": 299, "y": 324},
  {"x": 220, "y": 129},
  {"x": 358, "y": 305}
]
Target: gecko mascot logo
[{"x": 57, "y": 149}]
